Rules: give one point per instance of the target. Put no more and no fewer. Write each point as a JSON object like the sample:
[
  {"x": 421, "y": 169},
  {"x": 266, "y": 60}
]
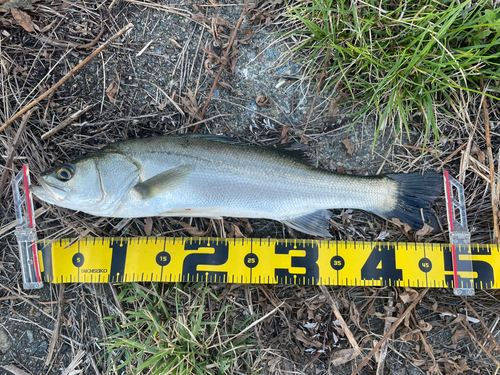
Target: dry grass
[{"x": 292, "y": 328}]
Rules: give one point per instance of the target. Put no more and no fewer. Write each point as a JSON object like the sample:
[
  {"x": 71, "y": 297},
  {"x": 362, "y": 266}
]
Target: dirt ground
[{"x": 155, "y": 79}]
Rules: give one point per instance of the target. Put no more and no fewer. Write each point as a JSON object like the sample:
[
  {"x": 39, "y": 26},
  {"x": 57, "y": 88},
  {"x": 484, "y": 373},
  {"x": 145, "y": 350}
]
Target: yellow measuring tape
[{"x": 270, "y": 261}]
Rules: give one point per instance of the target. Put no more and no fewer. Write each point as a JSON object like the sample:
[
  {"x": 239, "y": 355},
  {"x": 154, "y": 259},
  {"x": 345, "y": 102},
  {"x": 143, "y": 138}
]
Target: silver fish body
[{"x": 190, "y": 176}]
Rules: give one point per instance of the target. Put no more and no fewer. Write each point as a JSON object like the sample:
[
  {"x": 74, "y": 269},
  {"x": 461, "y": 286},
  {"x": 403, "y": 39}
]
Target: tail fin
[{"x": 416, "y": 192}]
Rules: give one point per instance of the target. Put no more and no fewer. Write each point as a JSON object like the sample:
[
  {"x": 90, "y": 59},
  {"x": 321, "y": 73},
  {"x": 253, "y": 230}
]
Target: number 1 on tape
[{"x": 463, "y": 271}]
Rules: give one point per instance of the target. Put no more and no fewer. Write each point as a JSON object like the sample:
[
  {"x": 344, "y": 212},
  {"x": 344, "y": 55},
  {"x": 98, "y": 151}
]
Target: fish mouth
[
  {"x": 50, "y": 192},
  {"x": 46, "y": 184}
]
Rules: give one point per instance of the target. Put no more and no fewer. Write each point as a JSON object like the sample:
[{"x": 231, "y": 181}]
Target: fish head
[{"x": 94, "y": 184}]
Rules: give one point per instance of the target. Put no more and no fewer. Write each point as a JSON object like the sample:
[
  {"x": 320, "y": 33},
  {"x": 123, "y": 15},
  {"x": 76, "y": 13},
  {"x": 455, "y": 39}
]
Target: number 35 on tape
[{"x": 256, "y": 261}]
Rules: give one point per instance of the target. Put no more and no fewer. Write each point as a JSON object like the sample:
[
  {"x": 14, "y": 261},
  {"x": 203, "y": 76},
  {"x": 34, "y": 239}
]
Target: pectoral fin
[
  {"x": 163, "y": 182},
  {"x": 315, "y": 223}
]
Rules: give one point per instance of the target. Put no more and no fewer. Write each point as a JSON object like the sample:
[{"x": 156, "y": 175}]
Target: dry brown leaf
[
  {"x": 237, "y": 232},
  {"x": 247, "y": 35},
  {"x": 262, "y": 100},
  {"x": 419, "y": 362},
  {"x": 333, "y": 108},
  {"x": 301, "y": 336},
  {"x": 45, "y": 28},
  {"x": 342, "y": 356},
  {"x": 476, "y": 151},
  {"x": 23, "y": 19},
  {"x": 224, "y": 85},
  {"x": 111, "y": 92},
  {"x": 193, "y": 231},
  {"x": 424, "y": 326},
  {"x": 408, "y": 334},
  {"x": 387, "y": 318},
  {"x": 272, "y": 364},
  {"x": 201, "y": 18},
  {"x": 148, "y": 226},
  {"x": 423, "y": 232},
  {"x": 405, "y": 227},
  {"x": 459, "y": 335},
  {"x": 191, "y": 105},
  {"x": 409, "y": 295},
  {"x": 349, "y": 146}
]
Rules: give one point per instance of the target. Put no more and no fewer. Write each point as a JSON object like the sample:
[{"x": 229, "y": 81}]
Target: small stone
[
  {"x": 5, "y": 341},
  {"x": 44, "y": 346},
  {"x": 29, "y": 334}
]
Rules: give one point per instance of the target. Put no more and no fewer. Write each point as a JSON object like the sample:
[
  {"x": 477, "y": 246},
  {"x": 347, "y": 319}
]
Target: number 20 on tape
[{"x": 270, "y": 261}]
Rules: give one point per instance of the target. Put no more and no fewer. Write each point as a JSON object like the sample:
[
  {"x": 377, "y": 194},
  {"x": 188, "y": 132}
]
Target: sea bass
[{"x": 212, "y": 177}]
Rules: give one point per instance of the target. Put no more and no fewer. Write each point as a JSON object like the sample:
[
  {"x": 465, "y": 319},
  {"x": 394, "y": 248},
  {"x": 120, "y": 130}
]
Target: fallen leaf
[
  {"x": 148, "y": 226},
  {"x": 193, "y": 231},
  {"x": 23, "y": 19},
  {"x": 201, "y": 18},
  {"x": 247, "y": 35},
  {"x": 301, "y": 336},
  {"x": 409, "y": 295},
  {"x": 459, "y": 335},
  {"x": 423, "y": 232},
  {"x": 424, "y": 326},
  {"x": 191, "y": 105},
  {"x": 272, "y": 364},
  {"x": 262, "y": 100},
  {"x": 406, "y": 228},
  {"x": 111, "y": 92},
  {"x": 237, "y": 232},
  {"x": 349, "y": 146},
  {"x": 333, "y": 108},
  {"x": 476, "y": 151},
  {"x": 224, "y": 85},
  {"x": 342, "y": 356}
]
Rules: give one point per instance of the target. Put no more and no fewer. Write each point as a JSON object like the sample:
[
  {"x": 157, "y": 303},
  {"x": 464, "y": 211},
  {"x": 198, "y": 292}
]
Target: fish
[{"x": 213, "y": 177}]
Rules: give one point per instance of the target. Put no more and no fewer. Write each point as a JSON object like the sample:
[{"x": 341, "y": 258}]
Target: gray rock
[{"x": 5, "y": 341}]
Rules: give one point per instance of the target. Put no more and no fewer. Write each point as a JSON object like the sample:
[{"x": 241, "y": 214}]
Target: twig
[
  {"x": 66, "y": 122},
  {"x": 15, "y": 370},
  {"x": 163, "y": 8},
  {"x": 473, "y": 337},
  {"x": 451, "y": 156},
  {"x": 57, "y": 326},
  {"x": 66, "y": 77},
  {"x": 12, "y": 148},
  {"x": 491, "y": 337},
  {"x": 92, "y": 43},
  {"x": 222, "y": 66},
  {"x": 6, "y": 298},
  {"x": 390, "y": 332},
  {"x": 341, "y": 320},
  {"x": 25, "y": 300},
  {"x": 315, "y": 96},
  {"x": 75, "y": 362},
  {"x": 494, "y": 197},
  {"x": 383, "y": 349}
]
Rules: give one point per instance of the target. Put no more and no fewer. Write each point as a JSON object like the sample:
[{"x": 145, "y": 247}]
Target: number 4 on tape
[{"x": 463, "y": 272}]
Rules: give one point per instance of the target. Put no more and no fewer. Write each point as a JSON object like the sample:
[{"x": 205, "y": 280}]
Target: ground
[{"x": 155, "y": 79}]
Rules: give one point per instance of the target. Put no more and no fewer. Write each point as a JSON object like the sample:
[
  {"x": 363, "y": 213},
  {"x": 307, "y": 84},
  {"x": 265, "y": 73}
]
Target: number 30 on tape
[{"x": 270, "y": 261}]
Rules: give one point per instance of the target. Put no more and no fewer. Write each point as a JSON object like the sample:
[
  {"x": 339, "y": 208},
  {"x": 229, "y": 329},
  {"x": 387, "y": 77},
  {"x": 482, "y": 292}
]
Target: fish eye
[{"x": 66, "y": 172}]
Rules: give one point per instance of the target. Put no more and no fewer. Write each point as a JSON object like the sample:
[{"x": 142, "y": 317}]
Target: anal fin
[{"x": 315, "y": 223}]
